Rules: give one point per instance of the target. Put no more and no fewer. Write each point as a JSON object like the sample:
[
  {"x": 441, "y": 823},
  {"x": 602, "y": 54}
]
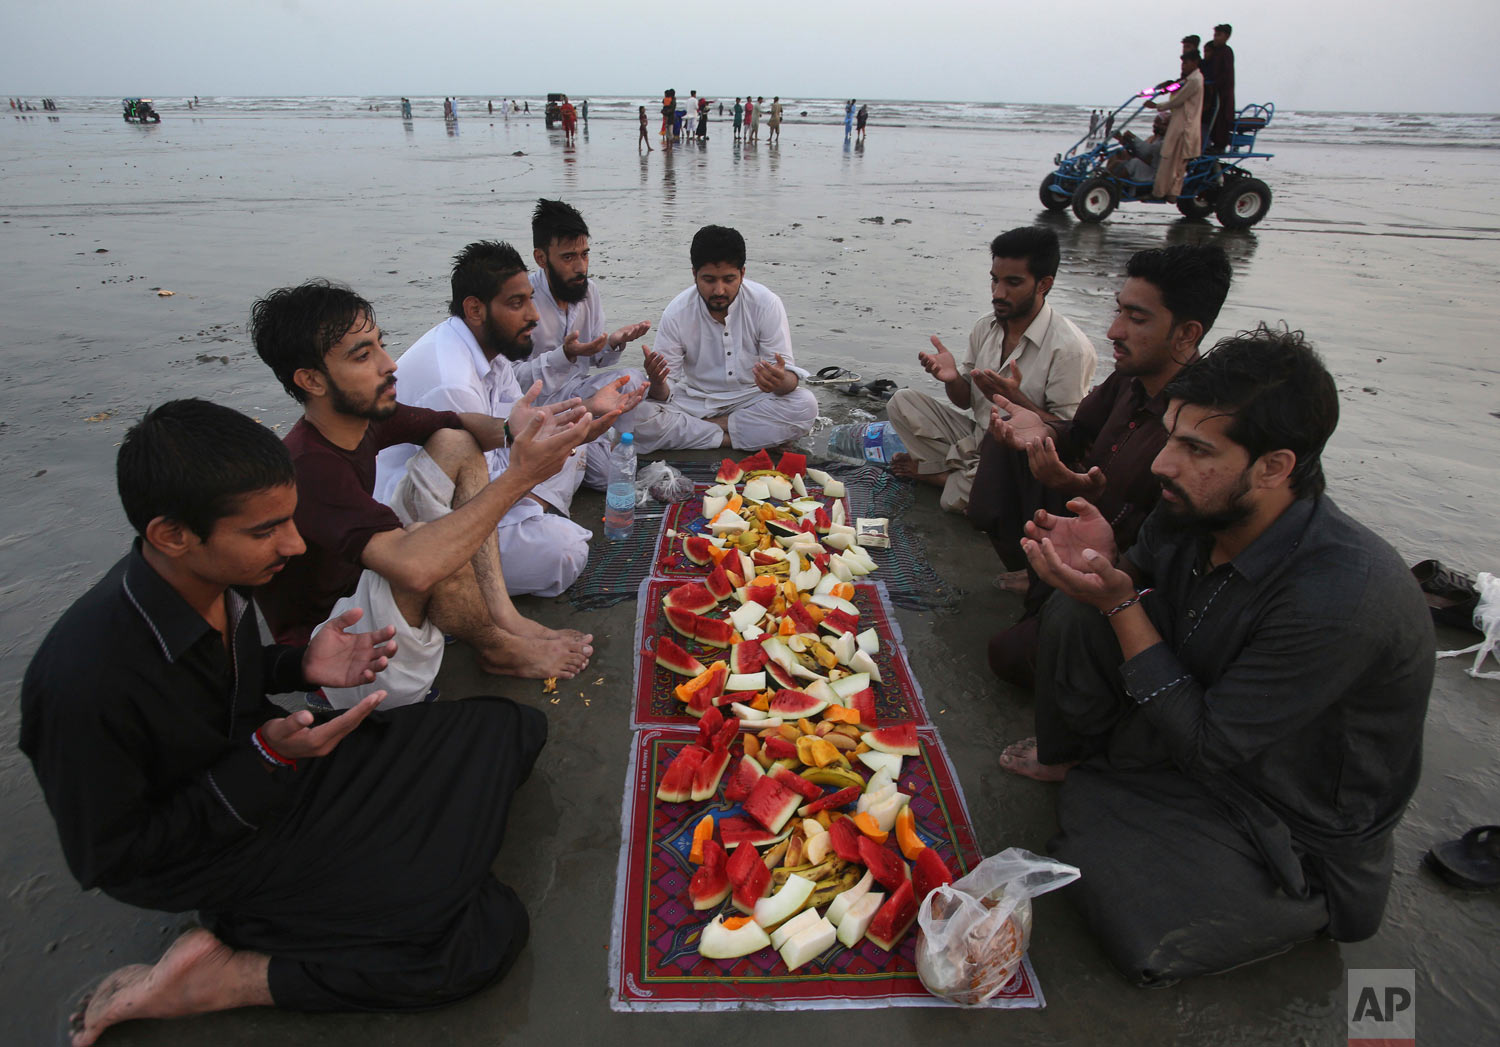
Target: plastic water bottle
[
  {"x": 875, "y": 442},
  {"x": 619, "y": 499}
]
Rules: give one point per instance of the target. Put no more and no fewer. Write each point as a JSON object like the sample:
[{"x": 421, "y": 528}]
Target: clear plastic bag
[
  {"x": 974, "y": 931},
  {"x": 660, "y": 481},
  {"x": 1487, "y": 621}
]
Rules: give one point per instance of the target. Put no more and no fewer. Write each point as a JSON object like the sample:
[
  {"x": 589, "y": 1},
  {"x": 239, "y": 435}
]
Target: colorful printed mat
[
  {"x": 897, "y": 698},
  {"x": 654, "y": 961},
  {"x": 685, "y": 518}
]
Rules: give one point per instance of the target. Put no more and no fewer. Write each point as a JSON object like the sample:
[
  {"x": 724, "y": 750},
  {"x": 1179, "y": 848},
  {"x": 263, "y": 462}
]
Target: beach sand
[{"x": 1386, "y": 257}]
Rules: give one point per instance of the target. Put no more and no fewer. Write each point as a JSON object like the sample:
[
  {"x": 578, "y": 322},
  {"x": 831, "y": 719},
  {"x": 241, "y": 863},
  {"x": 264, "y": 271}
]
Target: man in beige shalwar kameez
[{"x": 1184, "y": 137}]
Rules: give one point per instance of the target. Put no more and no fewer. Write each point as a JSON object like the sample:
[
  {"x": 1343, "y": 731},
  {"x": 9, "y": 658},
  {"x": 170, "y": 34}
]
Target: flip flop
[
  {"x": 880, "y": 389},
  {"x": 1471, "y": 862},
  {"x": 830, "y": 374}
]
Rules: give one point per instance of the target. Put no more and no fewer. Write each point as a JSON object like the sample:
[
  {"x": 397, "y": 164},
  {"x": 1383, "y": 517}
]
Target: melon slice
[
  {"x": 878, "y": 761},
  {"x": 757, "y": 490},
  {"x": 727, "y": 522},
  {"x": 747, "y": 614},
  {"x": 671, "y": 656},
  {"x": 799, "y": 486},
  {"x": 718, "y": 942},
  {"x": 677, "y": 784},
  {"x": 863, "y": 663},
  {"x": 779, "y": 488},
  {"x": 696, "y": 548},
  {"x": 809, "y": 944},
  {"x": 743, "y": 780},
  {"x": 710, "y": 883},
  {"x": 747, "y": 682},
  {"x": 713, "y": 505},
  {"x": 884, "y": 810},
  {"x": 848, "y": 686},
  {"x": 869, "y": 641},
  {"x": 745, "y": 712},
  {"x": 772, "y": 911},
  {"x": 836, "y": 603},
  {"x": 894, "y": 918},
  {"x": 842, "y": 903},
  {"x": 856, "y": 921},
  {"x": 770, "y": 803},
  {"x": 817, "y": 848},
  {"x": 900, "y": 739},
  {"x": 887, "y": 868},
  {"x": 793, "y": 927},
  {"x": 792, "y": 704}
]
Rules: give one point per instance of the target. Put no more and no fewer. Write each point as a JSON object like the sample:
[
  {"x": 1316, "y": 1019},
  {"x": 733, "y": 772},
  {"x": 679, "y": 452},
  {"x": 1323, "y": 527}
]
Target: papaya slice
[
  {"x": 702, "y": 832},
  {"x": 906, "y": 834},
  {"x": 865, "y": 822}
]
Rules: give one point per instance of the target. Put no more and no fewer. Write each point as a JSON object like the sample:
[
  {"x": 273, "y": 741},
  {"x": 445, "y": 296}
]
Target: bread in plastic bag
[
  {"x": 660, "y": 481},
  {"x": 973, "y": 932},
  {"x": 1487, "y": 621}
]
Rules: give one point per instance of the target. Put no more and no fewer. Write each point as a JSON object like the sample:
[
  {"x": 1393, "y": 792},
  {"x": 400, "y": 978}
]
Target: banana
[
  {"x": 833, "y": 865},
  {"x": 829, "y": 891},
  {"x": 773, "y": 857},
  {"x": 840, "y": 776}
]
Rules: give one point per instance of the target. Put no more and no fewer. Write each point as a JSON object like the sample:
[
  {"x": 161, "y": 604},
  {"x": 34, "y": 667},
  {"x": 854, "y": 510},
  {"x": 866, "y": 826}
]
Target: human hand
[
  {"x": 610, "y": 402},
  {"x": 774, "y": 377},
  {"x": 940, "y": 364},
  {"x": 619, "y": 339},
  {"x": 339, "y": 658},
  {"x": 997, "y": 383},
  {"x": 658, "y": 371},
  {"x": 572, "y": 348},
  {"x": 1095, "y": 582},
  {"x": 1020, "y": 428},
  {"x": 1048, "y": 467},
  {"x": 295, "y": 738},
  {"x": 525, "y": 409},
  {"x": 539, "y": 450},
  {"x": 1071, "y": 536}
]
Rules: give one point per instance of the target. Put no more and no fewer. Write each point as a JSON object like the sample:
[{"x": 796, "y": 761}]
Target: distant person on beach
[
  {"x": 406, "y": 108},
  {"x": 1182, "y": 141},
  {"x": 860, "y": 119},
  {"x": 749, "y": 115},
  {"x": 1093, "y": 123},
  {"x": 491, "y": 104},
  {"x": 429, "y": 565},
  {"x": 690, "y": 115},
  {"x": 1049, "y": 361},
  {"x": 849, "y": 118},
  {"x": 643, "y": 137},
  {"x": 1218, "y": 82},
  {"x": 177, "y": 786},
  {"x": 739, "y": 114},
  {"x": 668, "y": 107},
  {"x": 468, "y": 364},
  {"x": 757, "y": 117},
  {"x": 569, "y": 119},
  {"x": 703, "y": 109},
  {"x": 585, "y": 110},
  {"x": 1031, "y": 461},
  {"x": 722, "y": 373},
  {"x": 1235, "y": 705},
  {"x": 774, "y": 132}
]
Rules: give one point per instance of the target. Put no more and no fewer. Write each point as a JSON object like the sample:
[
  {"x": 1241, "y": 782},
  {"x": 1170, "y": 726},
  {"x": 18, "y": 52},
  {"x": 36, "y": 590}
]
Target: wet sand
[{"x": 1386, "y": 257}]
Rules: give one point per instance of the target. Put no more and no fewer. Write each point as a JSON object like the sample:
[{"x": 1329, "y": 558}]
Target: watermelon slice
[
  {"x": 728, "y": 732},
  {"x": 748, "y": 656},
  {"x": 758, "y": 461},
  {"x": 692, "y": 597},
  {"x": 928, "y": 873},
  {"x": 710, "y": 884},
  {"x": 677, "y": 784},
  {"x": 842, "y": 798},
  {"x": 685, "y": 622},
  {"x": 821, "y": 521},
  {"x": 778, "y": 748},
  {"x": 798, "y": 784},
  {"x": 698, "y": 550},
  {"x": 771, "y": 803},
  {"x": 712, "y": 631},
  {"x": 888, "y": 869},
  {"x": 839, "y": 622},
  {"x": 743, "y": 779},
  {"x": 729, "y": 472},
  {"x": 718, "y": 583},
  {"x": 798, "y": 614},
  {"x": 735, "y": 831},
  {"x": 900, "y": 739},
  {"x": 753, "y": 889},
  {"x": 863, "y": 703},
  {"x": 671, "y": 656},
  {"x": 701, "y": 702},
  {"x": 792, "y": 464},
  {"x": 708, "y": 726},
  {"x": 845, "y": 839},
  {"x": 781, "y": 676},
  {"x": 706, "y": 777},
  {"x": 730, "y": 697},
  {"x": 894, "y": 918},
  {"x": 742, "y": 863},
  {"x": 792, "y": 704},
  {"x": 820, "y": 561}
]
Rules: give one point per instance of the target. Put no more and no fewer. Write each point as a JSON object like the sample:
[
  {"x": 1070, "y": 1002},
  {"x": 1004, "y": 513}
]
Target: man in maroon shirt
[
  {"x": 431, "y": 568},
  {"x": 1170, "y": 299}
]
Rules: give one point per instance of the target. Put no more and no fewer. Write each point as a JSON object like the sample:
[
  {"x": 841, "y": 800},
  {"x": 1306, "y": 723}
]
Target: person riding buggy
[{"x": 139, "y": 111}]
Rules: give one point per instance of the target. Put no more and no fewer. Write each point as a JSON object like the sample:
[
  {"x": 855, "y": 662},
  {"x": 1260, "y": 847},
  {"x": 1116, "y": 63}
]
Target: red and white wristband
[
  {"x": 1128, "y": 603},
  {"x": 269, "y": 754}
]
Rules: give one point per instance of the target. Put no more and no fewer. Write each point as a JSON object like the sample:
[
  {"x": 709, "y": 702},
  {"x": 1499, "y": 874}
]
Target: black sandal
[{"x": 1471, "y": 862}]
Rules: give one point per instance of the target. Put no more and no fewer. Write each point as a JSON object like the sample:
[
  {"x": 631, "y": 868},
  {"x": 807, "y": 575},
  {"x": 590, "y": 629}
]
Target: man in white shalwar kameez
[
  {"x": 466, "y": 363},
  {"x": 1184, "y": 136},
  {"x": 722, "y": 373}
]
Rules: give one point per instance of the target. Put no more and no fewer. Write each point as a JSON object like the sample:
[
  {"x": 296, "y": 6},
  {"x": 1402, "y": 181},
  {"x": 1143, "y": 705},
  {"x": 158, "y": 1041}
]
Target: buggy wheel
[
  {"x": 1242, "y": 203},
  {"x": 1053, "y": 198},
  {"x": 1194, "y": 207},
  {"x": 1095, "y": 199}
]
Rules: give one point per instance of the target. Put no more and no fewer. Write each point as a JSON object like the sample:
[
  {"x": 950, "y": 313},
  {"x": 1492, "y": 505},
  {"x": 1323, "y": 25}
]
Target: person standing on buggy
[
  {"x": 1218, "y": 79},
  {"x": 1183, "y": 141}
]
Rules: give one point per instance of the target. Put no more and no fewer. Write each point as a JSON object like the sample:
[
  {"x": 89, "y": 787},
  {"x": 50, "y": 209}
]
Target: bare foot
[
  {"x": 561, "y": 653},
  {"x": 1013, "y": 581},
  {"x": 198, "y": 973},
  {"x": 904, "y": 466},
  {"x": 1020, "y": 758}
]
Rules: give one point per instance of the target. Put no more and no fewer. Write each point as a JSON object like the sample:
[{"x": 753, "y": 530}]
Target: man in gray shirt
[{"x": 1235, "y": 707}]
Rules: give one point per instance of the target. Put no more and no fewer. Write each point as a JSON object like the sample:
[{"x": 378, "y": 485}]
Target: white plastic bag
[
  {"x": 974, "y": 931},
  {"x": 1487, "y": 620},
  {"x": 660, "y": 481}
]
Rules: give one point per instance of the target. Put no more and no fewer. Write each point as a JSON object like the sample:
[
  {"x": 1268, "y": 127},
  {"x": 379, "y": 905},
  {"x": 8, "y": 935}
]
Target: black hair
[
  {"x": 295, "y": 327},
  {"x": 1193, "y": 279},
  {"x": 1192, "y": 56},
  {"x": 191, "y": 461},
  {"x": 717, "y": 243},
  {"x": 1277, "y": 392},
  {"x": 1191, "y": 42},
  {"x": 1225, "y": 28},
  {"x": 480, "y": 270},
  {"x": 554, "y": 220},
  {"x": 1032, "y": 242}
]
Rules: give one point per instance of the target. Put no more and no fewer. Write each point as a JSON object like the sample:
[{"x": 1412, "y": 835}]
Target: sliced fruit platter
[
  {"x": 807, "y": 844},
  {"x": 753, "y": 505}
]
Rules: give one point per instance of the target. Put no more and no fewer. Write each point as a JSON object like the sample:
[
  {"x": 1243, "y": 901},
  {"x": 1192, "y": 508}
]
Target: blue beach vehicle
[{"x": 1215, "y": 183}]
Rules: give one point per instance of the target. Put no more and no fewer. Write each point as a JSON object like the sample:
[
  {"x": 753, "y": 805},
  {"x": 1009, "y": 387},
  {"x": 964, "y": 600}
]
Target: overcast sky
[{"x": 1439, "y": 55}]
